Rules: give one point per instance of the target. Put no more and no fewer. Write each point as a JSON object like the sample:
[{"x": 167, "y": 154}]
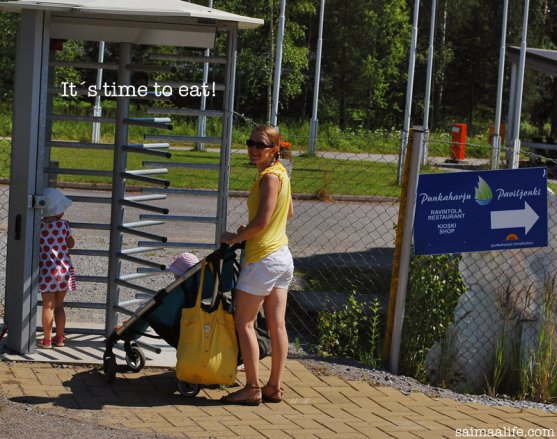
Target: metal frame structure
[
  {"x": 539, "y": 60},
  {"x": 173, "y": 23}
]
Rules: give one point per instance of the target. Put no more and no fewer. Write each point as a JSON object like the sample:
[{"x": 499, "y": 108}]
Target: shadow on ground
[{"x": 90, "y": 391}]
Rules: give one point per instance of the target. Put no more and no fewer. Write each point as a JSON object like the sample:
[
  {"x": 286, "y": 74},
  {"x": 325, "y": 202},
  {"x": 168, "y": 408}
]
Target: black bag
[
  {"x": 263, "y": 339},
  {"x": 261, "y": 331}
]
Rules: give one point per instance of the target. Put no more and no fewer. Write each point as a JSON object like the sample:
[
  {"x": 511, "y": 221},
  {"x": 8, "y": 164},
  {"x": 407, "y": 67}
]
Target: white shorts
[{"x": 273, "y": 271}]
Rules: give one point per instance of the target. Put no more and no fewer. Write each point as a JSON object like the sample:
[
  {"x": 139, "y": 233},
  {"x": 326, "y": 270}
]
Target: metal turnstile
[{"x": 39, "y": 170}]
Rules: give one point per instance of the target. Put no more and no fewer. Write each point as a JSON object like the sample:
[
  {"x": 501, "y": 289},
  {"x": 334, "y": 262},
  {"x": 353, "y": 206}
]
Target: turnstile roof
[{"x": 136, "y": 8}]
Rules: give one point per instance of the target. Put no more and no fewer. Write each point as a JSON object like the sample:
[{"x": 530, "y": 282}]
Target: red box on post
[{"x": 458, "y": 141}]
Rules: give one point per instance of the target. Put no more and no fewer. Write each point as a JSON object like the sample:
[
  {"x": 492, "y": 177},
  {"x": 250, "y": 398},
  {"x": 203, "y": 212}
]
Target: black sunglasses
[{"x": 258, "y": 145}]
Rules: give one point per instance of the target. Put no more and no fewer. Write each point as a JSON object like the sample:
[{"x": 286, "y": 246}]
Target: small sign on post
[
  {"x": 481, "y": 211},
  {"x": 458, "y": 142}
]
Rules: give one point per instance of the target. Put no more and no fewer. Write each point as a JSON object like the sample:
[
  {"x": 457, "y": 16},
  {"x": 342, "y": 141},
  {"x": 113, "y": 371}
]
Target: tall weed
[
  {"x": 541, "y": 370},
  {"x": 353, "y": 331}
]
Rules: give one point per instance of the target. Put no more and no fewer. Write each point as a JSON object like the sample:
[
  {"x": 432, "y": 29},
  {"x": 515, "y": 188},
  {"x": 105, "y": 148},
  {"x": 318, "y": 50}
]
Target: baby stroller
[{"x": 163, "y": 312}]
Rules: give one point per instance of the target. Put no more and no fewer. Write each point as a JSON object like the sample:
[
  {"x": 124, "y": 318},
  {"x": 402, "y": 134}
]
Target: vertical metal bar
[
  {"x": 26, "y": 177},
  {"x": 396, "y": 258},
  {"x": 409, "y": 91},
  {"x": 118, "y": 190},
  {"x": 52, "y": 179},
  {"x": 278, "y": 64},
  {"x": 202, "y": 120},
  {"x": 314, "y": 122},
  {"x": 228, "y": 107},
  {"x": 428, "y": 81},
  {"x": 496, "y": 139},
  {"x": 406, "y": 249},
  {"x": 43, "y": 157},
  {"x": 515, "y": 139},
  {"x": 97, "y": 109},
  {"x": 512, "y": 98}
]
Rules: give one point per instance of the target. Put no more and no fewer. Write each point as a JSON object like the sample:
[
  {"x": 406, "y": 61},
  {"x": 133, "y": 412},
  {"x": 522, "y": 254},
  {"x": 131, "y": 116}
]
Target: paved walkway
[{"x": 315, "y": 406}]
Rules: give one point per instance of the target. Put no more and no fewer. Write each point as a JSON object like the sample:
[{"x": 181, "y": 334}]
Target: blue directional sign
[{"x": 481, "y": 210}]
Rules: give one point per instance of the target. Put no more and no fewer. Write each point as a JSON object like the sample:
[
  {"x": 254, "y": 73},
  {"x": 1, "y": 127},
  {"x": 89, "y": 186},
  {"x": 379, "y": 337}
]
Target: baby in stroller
[{"x": 182, "y": 263}]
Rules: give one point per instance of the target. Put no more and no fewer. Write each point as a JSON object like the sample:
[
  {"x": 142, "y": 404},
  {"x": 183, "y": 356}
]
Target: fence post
[
  {"x": 403, "y": 249},
  {"x": 53, "y": 177}
]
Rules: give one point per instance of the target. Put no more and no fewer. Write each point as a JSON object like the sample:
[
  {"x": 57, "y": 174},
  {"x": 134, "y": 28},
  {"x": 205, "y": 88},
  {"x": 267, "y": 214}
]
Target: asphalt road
[{"x": 321, "y": 234}]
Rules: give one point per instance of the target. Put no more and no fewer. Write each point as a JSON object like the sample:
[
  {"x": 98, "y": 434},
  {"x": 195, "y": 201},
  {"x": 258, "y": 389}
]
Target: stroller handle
[{"x": 224, "y": 247}]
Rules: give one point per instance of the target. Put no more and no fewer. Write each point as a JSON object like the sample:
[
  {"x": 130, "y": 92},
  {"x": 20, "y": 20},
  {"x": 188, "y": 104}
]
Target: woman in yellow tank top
[{"x": 267, "y": 269}]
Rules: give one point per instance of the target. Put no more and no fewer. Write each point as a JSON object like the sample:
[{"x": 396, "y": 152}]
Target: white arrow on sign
[{"x": 506, "y": 219}]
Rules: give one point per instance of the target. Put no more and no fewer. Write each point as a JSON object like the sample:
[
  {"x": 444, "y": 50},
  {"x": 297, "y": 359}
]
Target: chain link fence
[
  {"x": 464, "y": 312},
  {"x": 342, "y": 233},
  {"x": 467, "y": 315},
  {"x": 485, "y": 321}
]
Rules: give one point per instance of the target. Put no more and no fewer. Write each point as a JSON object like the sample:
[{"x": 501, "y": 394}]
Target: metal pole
[
  {"x": 513, "y": 163},
  {"x": 278, "y": 64},
  {"x": 406, "y": 249},
  {"x": 118, "y": 190},
  {"x": 203, "y": 119},
  {"x": 97, "y": 109},
  {"x": 227, "y": 122},
  {"x": 314, "y": 122},
  {"x": 26, "y": 179},
  {"x": 428, "y": 81},
  {"x": 496, "y": 139},
  {"x": 512, "y": 99},
  {"x": 409, "y": 90}
]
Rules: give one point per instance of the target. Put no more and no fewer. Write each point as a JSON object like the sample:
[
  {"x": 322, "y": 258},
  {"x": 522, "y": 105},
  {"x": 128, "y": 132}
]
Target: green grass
[
  {"x": 310, "y": 175},
  {"x": 330, "y": 137}
]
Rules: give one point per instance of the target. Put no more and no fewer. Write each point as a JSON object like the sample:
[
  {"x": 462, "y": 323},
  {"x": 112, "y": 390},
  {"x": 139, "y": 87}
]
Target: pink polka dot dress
[{"x": 56, "y": 272}]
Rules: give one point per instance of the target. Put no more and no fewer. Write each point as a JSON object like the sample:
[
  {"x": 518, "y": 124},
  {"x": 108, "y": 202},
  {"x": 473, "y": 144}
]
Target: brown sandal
[
  {"x": 272, "y": 393},
  {"x": 249, "y": 395}
]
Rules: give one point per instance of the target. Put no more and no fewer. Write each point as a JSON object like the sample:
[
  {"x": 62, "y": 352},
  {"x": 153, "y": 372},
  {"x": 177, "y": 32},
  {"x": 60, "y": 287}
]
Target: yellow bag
[{"x": 207, "y": 350}]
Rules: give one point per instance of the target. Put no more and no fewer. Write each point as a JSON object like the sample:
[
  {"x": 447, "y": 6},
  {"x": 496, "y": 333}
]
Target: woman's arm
[
  {"x": 269, "y": 186},
  {"x": 290, "y": 208}
]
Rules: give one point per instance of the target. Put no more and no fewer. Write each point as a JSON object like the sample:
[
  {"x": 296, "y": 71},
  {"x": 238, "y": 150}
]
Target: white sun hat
[{"x": 55, "y": 202}]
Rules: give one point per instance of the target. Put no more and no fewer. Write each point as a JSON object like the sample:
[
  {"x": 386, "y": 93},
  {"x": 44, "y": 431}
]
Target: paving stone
[
  {"x": 375, "y": 433},
  {"x": 434, "y": 426},
  {"x": 243, "y": 431},
  {"x": 402, "y": 435},
  {"x": 334, "y": 381},
  {"x": 422, "y": 413},
  {"x": 300, "y": 434}
]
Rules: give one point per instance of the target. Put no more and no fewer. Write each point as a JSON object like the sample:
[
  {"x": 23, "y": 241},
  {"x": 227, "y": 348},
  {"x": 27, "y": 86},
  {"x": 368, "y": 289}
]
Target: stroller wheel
[
  {"x": 135, "y": 361},
  {"x": 187, "y": 389},
  {"x": 109, "y": 367}
]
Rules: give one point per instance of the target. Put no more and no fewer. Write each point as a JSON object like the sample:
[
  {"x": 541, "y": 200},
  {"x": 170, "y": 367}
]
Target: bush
[
  {"x": 351, "y": 332},
  {"x": 434, "y": 286}
]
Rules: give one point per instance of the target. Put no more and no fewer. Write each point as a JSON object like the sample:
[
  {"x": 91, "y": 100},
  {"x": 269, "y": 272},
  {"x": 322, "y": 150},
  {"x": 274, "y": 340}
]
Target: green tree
[
  {"x": 467, "y": 58},
  {"x": 256, "y": 53},
  {"x": 8, "y": 23},
  {"x": 364, "y": 58}
]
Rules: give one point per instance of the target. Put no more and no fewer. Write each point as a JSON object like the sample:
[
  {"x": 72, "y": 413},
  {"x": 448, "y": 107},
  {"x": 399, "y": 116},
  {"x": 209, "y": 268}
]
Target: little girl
[{"x": 56, "y": 272}]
